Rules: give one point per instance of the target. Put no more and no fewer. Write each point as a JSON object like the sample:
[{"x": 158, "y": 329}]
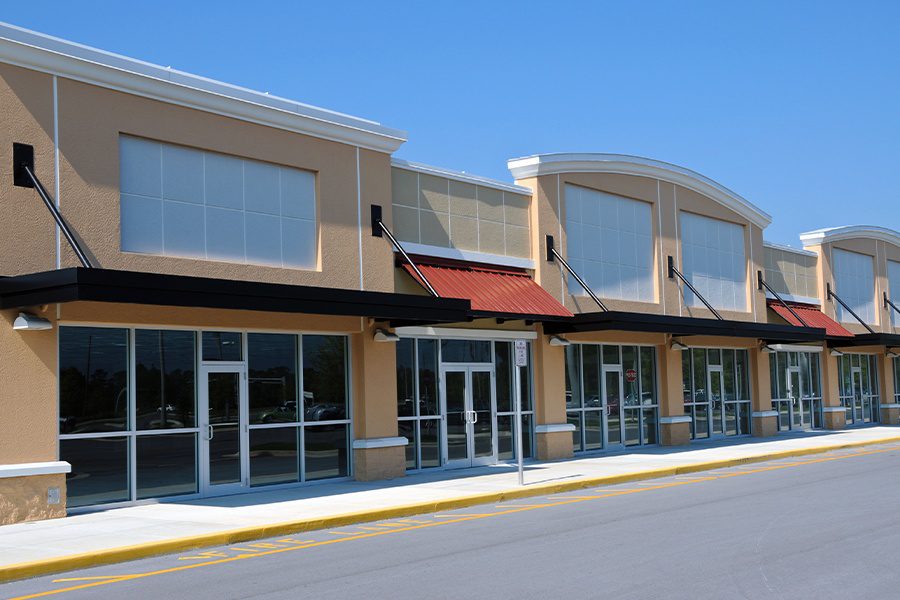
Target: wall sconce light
[
  {"x": 383, "y": 335},
  {"x": 28, "y": 322},
  {"x": 555, "y": 340},
  {"x": 676, "y": 345},
  {"x": 767, "y": 349},
  {"x": 836, "y": 352},
  {"x": 892, "y": 353}
]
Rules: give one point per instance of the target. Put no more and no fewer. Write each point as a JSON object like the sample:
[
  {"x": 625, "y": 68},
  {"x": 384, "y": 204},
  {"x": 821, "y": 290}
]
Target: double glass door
[
  {"x": 796, "y": 411},
  {"x": 224, "y": 448},
  {"x": 861, "y": 407},
  {"x": 467, "y": 394}
]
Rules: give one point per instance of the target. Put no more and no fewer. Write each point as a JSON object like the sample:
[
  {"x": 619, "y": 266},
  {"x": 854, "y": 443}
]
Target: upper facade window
[
  {"x": 894, "y": 291},
  {"x": 791, "y": 273},
  {"x": 610, "y": 244},
  {"x": 177, "y": 201},
  {"x": 854, "y": 281},
  {"x": 713, "y": 259},
  {"x": 446, "y": 213}
]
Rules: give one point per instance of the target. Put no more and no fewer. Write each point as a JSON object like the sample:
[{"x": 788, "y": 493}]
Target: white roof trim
[
  {"x": 786, "y": 248},
  {"x": 460, "y": 176},
  {"x": 40, "y": 52},
  {"x": 551, "y": 164},
  {"x": 468, "y": 255},
  {"x": 836, "y": 234}
]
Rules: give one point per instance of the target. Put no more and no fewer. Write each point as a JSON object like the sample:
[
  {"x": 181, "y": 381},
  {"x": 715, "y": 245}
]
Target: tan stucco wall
[
  {"x": 374, "y": 464},
  {"x": 374, "y": 387},
  {"x": 25, "y": 498},
  {"x": 28, "y": 405},
  {"x": 667, "y": 202},
  {"x": 91, "y": 120}
]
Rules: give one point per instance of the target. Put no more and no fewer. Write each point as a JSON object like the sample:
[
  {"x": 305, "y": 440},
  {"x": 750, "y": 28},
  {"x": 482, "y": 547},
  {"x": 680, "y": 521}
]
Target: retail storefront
[
  {"x": 716, "y": 391},
  {"x": 859, "y": 385},
  {"x": 611, "y": 396},
  {"x": 797, "y": 388}
]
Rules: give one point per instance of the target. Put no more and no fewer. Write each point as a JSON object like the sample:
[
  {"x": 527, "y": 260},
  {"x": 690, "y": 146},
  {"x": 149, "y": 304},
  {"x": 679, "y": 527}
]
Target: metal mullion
[
  {"x": 301, "y": 414},
  {"x": 131, "y": 418},
  {"x": 417, "y": 430},
  {"x": 147, "y": 432},
  {"x": 332, "y": 422},
  {"x": 281, "y": 425}
]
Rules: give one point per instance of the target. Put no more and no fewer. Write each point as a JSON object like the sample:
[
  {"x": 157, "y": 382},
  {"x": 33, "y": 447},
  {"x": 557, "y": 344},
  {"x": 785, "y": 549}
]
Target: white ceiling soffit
[
  {"x": 32, "y": 50},
  {"x": 847, "y": 232},
  {"x": 551, "y": 164}
]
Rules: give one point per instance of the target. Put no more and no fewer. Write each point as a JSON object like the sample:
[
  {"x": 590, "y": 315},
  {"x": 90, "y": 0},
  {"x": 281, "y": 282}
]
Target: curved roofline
[
  {"x": 846, "y": 232},
  {"x": 625, "y": 164},
  {"x": 37, "y": 51}
]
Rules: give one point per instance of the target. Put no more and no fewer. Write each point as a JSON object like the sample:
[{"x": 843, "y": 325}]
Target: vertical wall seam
[
  {"x": 677, "y": 242},
  {"x": 559, "y": 219},
  {"x": 56, "y": 166},
  {"x": 659, "y": 228},
  {"x": 359, "y": 219}
]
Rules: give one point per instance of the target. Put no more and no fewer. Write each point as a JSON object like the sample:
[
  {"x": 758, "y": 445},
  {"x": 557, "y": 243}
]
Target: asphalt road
[{"x": 822, "y": 527}]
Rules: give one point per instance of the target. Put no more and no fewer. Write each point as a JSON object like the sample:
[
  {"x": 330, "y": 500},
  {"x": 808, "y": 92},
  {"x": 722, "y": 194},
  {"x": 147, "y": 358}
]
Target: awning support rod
[
  {"x": 553, "y": 254},
  {"x": 673, "y": 273},
  {"x": 379, "y": 228},
  {"x": 23, "y": 176},
  {"x": 763, "y": 285},
  {"x": 888, "y": 303},
  {"x": 831, "y": 295}
]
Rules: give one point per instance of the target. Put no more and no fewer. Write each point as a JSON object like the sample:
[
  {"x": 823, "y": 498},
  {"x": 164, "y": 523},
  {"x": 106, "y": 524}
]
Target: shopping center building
[{"x": 207, "y": 290}]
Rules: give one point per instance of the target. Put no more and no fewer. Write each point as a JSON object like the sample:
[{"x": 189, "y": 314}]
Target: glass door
[
  {"x": 223, "y": 429},
  {"x": 716, "y": 401},
  {"x": 612, "y": 406},
  {"x": 857, "y": 395},
  {"x": 469, "y": 413},
  {"x": 800, "y": 417}
]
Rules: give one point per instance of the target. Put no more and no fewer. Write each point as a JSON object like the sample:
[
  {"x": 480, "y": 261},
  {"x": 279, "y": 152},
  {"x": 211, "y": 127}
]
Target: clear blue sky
[{"x": 793, "y": 105}]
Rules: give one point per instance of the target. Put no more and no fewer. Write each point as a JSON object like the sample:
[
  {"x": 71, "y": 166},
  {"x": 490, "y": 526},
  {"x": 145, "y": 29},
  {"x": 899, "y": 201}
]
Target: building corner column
[
  {"x": 378, "y": 451},
  {"x": 834, "y": 416},
  {"x": 553, "y": 433},
  {"x": 890, "y": 408},
  {"x": 674, "y": 425},
  {"x": 764, "y": 418}
]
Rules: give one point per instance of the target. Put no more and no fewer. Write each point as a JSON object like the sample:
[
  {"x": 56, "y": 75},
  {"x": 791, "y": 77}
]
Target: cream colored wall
[
  {"x": 881, "y": 252},
  {"x": 667, "y": 201},
  {"x": 91, "y": 119},
  {"x": 27, "y": 231},
  {"x": 28, "y": 405}
]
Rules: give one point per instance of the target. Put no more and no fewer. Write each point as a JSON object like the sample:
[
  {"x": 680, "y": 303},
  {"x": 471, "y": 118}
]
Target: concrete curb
[{"x": 129, "y": 553}]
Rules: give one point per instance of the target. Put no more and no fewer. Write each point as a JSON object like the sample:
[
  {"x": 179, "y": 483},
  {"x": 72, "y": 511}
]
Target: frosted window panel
[
  {"x": 224, "y": 234},
  {"x": 262, "y": 235},
  {"x": 298, "y": 194},
  {"x": 261, "y": 188},
  {"x": 224, "y": 177},
  {"x": 141, "y": 224},
  {"x": 181, "y": 236},
  {"x": 298, "y": 243},
  {"x": 182, "y": 174},
  {"x": 140, "y": 167},
  {"x": 854, "y": 280},
  {"x": 713, "y": 260},
  {"x": 183, "y": 202}
]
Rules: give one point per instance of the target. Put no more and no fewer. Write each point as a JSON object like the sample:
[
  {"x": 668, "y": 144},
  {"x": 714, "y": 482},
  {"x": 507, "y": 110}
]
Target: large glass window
[
  {"x": 796, "y": 389},
  {"x": 611, "y": 396},
  {"x": 858, "y": 376},
  {"x": 854, "y": 282},
  {"x": 178, "y": 201},
  {"x": 714, "y": 261},
  {"x": 716, "y": 384},
  {"x": 610, "y": 244}
]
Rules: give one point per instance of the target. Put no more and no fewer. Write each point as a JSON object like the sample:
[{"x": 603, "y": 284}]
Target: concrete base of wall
[
  {"x": 835, "y": 419},
  {"x": 25, "y": 498},
  {"x": 890, "y": 415},
  {"x": 554, "y": 445},
  {"x": 373, "y": 464},
  {"x": 765, "y": 426},
  {"x": 674, "y": 434}
]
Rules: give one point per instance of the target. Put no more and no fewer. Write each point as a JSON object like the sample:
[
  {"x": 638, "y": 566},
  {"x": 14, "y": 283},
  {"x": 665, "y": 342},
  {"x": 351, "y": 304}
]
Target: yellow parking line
[{"x": 357, "y": 536}]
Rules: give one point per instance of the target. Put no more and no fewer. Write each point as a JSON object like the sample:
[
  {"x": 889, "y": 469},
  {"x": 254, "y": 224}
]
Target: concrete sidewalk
[{"x": 121, "y": 534}]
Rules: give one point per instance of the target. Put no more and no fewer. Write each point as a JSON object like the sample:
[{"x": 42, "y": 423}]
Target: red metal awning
[
  {"x": 493, "y": 290},
  {"x": 813, "y": 316}
]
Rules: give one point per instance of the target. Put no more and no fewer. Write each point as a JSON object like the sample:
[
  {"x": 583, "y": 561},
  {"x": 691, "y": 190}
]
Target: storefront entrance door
[
  {"x": 467, "y": 394},
  {"x": 223, "y": 429}
]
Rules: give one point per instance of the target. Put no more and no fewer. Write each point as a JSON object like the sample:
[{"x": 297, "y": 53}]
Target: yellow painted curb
[{"x": 256, "y": 532}]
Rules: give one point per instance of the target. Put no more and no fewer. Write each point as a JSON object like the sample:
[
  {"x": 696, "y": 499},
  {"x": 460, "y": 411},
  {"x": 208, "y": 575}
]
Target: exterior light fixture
[
  {"x": 383, "y": 335},
  {"x": 555, "y": 340},
  {"x": 28, "y": 322},
  {"x": 892, "y": 353},
  {"x": 836, "y": 352},
  {"x": 767, "y": 349},
  {"x": 676, "y": 345}
]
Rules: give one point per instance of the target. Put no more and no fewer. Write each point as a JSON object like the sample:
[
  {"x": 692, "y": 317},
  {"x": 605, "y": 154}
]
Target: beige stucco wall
[
  {"x": 667, "y": 201},
  {"x": 25, "y": 498},
  {"x": 90, "y": 121}
]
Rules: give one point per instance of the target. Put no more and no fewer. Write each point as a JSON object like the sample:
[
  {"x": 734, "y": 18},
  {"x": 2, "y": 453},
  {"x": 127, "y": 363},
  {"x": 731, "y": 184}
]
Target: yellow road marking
[
  {"x": 65, "y": 579},
  {"x": 458, "y": 519}
]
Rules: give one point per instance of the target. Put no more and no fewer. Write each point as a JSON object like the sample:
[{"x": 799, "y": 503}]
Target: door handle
[
  {"x": 474, "y": 417},
  {"x": 210, "y": 432}
]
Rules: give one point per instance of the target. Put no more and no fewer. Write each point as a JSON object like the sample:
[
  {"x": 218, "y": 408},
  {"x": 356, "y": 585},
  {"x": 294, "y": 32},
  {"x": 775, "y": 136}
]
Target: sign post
[{"x": 521, "y": 363}]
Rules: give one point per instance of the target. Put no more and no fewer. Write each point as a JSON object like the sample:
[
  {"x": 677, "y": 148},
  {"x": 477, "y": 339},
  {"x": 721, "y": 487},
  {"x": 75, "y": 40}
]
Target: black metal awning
[
  {"x": 685, "y": 326},
  {"x": 131, "y": 287},
  {"x": 888, "y": 340}
]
